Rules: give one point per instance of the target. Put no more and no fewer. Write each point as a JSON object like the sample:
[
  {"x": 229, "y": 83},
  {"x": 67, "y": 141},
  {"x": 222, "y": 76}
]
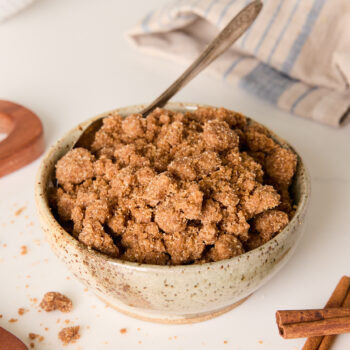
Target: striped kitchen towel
[
  {"x": 10, "y": 7},
  {"x": 295, "y": 55}
]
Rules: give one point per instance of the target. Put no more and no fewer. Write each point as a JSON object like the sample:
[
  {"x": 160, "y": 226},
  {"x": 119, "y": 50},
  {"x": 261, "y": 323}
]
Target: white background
[{"x": 67, "y": 61}]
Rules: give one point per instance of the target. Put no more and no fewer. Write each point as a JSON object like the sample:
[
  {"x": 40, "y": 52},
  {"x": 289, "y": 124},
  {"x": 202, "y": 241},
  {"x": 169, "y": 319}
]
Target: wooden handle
[
  {"x": 9, "y": 342},
  {"x": 237, "y": 26},
  {"x": 24, "y": 142}
]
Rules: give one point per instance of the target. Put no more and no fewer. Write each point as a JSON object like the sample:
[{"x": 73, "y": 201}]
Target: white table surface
[{"x": 67, "y": 61}]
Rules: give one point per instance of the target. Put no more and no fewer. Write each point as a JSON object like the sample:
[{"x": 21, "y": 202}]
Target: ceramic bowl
[{"x": 168, "y": 294}]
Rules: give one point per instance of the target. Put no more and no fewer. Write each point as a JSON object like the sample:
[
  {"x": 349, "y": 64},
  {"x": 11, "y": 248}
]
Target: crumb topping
[{"x": 176, "y": 188}]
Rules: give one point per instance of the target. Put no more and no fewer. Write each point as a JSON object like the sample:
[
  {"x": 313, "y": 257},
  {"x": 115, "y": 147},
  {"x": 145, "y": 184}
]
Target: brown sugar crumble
[
  {"x": 69, "y": 335},
  {"x": 123, "y": 331},
  {"x": 56, "y": 301},
  {"x": 176, "y": 188}
]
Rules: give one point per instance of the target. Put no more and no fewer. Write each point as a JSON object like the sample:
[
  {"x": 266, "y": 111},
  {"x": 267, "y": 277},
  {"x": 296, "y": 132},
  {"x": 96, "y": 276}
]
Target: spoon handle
[{"x": 237, "y": 26}]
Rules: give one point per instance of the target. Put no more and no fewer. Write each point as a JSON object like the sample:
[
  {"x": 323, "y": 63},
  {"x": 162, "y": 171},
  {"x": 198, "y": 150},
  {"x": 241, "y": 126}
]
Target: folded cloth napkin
[
  {"x": 295, "y": 55},
  {"x": 10, "y": 7}
]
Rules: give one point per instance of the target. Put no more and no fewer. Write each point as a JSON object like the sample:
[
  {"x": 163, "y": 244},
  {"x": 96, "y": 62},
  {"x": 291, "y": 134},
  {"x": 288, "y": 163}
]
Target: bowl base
[{"x": 186, "y": 319}]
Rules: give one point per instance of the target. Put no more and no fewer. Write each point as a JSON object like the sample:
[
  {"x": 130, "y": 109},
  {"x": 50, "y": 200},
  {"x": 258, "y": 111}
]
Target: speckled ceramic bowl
[{"x": 169, "y": 294}]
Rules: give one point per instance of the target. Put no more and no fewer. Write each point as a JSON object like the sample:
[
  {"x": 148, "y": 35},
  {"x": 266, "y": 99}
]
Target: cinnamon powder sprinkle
[
  {"x": 32, "y": 345},
  {"x": 225, "y": 341},
  {"x": 123, "y": 331},
  {"x": 13, "y": 320},
  {"x": 24, "y": 250}
]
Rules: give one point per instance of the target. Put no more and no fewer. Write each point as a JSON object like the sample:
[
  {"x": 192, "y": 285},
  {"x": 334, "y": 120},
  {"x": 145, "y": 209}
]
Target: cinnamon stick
[
  {"x": 337, "y": 299},
  {"x": 328, "y": 340},
  {"x": 284, "y": 317},
  {"x": 327, "y": 326}
]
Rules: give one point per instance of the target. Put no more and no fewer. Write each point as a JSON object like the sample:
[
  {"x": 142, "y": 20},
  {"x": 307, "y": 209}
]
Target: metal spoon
[{"x": 237, "y": 26}]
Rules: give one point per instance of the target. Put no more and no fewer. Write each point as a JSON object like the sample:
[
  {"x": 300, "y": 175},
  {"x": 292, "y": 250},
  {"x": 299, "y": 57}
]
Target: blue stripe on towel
[
  {"x": 145, "y": 22},
  {"x": 303, "y": 36},
  {"x": 231, "y": 68},
  {"x": 224, "y": 11},
  {"x": 272, "y": 21},
  {"x": 302, "y": 97},
  {"x": 266, "y": 82},
  {"x": 289, "y": 20}
]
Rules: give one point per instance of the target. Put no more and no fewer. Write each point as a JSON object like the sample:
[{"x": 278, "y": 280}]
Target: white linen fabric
[{"x": 295, "y": 55}]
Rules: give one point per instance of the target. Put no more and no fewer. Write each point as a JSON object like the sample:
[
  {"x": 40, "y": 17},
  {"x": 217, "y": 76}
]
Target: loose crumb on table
[
  {"x": 69, "y": 334},
  {"x": 56, "y": 301},
  {"x": 123, "y": 331},
  {"x": 24, "y": 250},
  {"x": 19, "y": 211},
  {"x": 21, "y": 311},
  {"x": 33, "y": 336}
]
